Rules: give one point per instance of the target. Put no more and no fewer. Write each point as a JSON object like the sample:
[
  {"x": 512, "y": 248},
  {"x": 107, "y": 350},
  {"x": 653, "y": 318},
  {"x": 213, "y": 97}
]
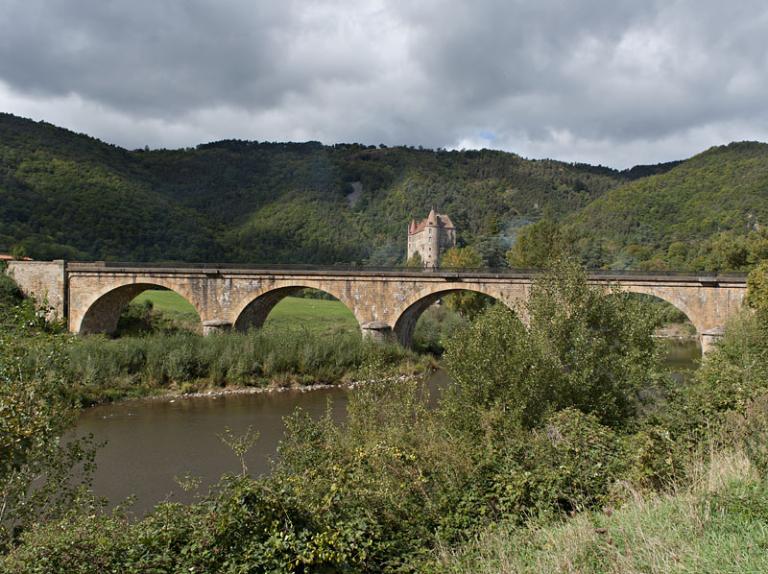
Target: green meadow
[{"x": 315, "y": 315}]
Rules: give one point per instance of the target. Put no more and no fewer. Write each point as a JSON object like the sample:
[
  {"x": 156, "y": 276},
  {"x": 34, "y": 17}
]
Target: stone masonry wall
[
  {"x": 43, "y": 280},
  {"x": 429, "y": 243}
]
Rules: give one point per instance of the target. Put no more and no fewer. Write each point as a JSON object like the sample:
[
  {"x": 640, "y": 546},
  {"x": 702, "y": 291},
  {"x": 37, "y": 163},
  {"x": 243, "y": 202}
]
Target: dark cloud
[{"x": 614, "y": 82}]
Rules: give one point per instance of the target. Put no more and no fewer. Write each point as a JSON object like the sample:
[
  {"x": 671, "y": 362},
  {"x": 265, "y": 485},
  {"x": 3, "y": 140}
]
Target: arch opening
[
  {"x": 297, "y": 307},
  {"x": 139, "y": 308},
  {"x": 676, "y": 332},
  {"x": 426, "y": 323}
]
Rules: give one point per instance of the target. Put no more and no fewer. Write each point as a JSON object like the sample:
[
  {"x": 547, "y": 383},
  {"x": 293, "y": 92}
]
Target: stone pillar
[
  {"x": 216, "y": 326},
  {"x": 709, "y": 339},
  {"x": 45, "y": 281},
  {"x": 377, "y": 331}
]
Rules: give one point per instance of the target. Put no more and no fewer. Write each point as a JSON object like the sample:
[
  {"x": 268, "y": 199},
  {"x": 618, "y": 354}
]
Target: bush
[
  {"x": 570, "y": 463},
  {"x": 10, "y": 294},
  {"x": 41, "y": 476},
  {"x": 584, "y": 348},
  {"x": 731, "y": 377},
  {"x": 434, "y": 327}
]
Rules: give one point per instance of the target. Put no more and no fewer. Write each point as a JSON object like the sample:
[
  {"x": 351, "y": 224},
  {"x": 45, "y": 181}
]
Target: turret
[{"x": 432, "y": 218}]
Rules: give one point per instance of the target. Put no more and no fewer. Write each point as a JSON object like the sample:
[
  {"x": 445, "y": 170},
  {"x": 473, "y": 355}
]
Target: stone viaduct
[{"x": 90, "y": 296}]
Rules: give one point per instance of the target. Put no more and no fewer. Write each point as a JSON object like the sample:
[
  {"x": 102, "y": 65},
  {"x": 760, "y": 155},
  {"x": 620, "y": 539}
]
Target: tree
[
  {"x": 584, "y": 348},
  {"x": 37, "y": 478},
  {"x": 18, "y": 251},
  {"x": 461, "y": 258},
  {"x": 415, "y": 261},
  {"x": 757, "y": 288},
  {"x": 537, "y": 245},
  {"x": 468, "y": 304}
]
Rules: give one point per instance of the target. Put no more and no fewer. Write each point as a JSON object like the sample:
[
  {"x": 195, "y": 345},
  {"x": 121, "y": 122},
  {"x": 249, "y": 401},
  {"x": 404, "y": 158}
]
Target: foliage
[
  {"x": 703, "y": 526},
  {"x": 461, "y": 258},
  {"x": 98, "y": 369},
  {"x": 707, "y": 213},
  {"x": 537, "y": 246},
  {"x": 415, "y": 261},
  {"x": 734, "y": 375},
  {"x": 10, "y": 294},
  {"x": 41, "y": 477},
  {"x": 68, "y": 195},
  {"x": 757, "y": 289},
  {"x": 583, "y": 348},
  {"x": 468, "y": 304},
  {"x": 71, "y": 196},
  {"x": 308, "y": 203},
  {"x": 435, "y": 326},
  {"x": 248, "y": 527}
]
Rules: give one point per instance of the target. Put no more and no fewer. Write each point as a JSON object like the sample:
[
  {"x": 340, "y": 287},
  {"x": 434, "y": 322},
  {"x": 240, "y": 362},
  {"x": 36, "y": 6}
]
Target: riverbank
[
  {"x": 171, "y": 395},
  {"x": 680, "y": 331},
  {"x": 96, "y": 370}
]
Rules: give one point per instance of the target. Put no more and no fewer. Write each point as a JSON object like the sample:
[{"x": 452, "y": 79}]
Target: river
[{"x": 150, "y": 442}]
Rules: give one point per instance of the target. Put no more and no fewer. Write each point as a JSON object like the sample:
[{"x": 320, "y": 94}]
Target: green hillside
[
  {"x": 69, "y": 195},
  {"x": 709, "y": 212}
]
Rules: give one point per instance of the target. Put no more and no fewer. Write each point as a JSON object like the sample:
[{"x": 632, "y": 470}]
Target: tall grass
[
  {"x": 715, "y": 523},
  {"x": 101, "y": 369}
]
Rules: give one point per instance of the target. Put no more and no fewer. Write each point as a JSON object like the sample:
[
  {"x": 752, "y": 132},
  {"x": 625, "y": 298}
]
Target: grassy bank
[
  {"x": 716, "y": 523},
  {"x": 98, "y": 369},
  {"x": 305, "y": 341}
]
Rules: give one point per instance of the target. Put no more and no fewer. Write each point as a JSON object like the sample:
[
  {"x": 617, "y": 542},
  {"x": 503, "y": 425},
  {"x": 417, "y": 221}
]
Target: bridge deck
[{"x": 361, "y": 271}]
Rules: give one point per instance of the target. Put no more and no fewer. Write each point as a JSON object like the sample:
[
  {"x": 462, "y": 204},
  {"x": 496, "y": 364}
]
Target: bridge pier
[
  {"x": 216, "y": 326},
  {"x": 709, "y": 339},
  {"x": 377, "y": 331}
]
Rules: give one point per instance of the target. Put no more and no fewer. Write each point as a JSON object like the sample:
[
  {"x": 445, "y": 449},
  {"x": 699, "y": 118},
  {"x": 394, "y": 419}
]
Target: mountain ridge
[{"x": 64, "y": 194}]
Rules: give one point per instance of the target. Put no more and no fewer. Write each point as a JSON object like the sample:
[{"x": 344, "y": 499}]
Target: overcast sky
[{"x": 617, "y": 82}]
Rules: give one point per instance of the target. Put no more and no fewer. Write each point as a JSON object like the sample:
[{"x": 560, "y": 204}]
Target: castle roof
[{"x": 433, "y": 220}]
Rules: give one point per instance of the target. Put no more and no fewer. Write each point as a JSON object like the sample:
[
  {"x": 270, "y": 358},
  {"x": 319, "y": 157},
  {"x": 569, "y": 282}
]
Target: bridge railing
[{"x": 441, "y": 271}]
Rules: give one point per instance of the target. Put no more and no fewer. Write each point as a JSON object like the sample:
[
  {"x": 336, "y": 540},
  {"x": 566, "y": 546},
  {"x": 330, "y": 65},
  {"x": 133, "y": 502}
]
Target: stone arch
[
  {"x": 253, "y": 312},
  {"x": 687, "y": 301},
  {"x": 101, "y": 315},
  {"x": 405, "y": 324},
  {"x": 669, "y": 297}
]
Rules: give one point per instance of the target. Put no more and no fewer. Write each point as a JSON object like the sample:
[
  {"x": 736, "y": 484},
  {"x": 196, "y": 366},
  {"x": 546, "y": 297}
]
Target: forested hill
[
  {"x": 69, "y": 195},
  {"x": 709, "y": 212}
]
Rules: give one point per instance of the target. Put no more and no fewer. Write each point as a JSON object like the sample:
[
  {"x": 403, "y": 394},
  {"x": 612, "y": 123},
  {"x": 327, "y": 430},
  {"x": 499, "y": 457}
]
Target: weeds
[{"x": 100, "y": 369}]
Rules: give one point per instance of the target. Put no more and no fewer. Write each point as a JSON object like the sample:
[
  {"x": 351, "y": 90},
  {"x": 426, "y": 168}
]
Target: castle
[{"x": 430, "y": 237}]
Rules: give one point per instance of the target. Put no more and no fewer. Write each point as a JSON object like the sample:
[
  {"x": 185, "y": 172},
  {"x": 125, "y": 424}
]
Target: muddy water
[{"x": 150, "y": 442}]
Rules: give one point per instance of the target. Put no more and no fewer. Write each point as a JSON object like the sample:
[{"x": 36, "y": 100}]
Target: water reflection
[{"x": 683, "y": 357}]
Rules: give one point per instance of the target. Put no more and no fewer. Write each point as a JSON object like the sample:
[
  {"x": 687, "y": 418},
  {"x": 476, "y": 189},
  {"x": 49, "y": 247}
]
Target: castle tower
[{"x": 430, "y": 237}]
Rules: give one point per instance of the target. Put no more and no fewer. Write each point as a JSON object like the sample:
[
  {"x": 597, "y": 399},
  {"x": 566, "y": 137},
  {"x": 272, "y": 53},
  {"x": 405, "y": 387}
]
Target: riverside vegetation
[
  {"x": 560, "y": 446},
  {"x": 168, "y": 357}
]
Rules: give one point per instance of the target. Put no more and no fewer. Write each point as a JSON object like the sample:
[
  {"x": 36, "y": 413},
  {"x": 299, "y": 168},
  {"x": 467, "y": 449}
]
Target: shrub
[
  {"x": 37, "y": 470},
  {"x": 10, "y": 294},
  {"x": 584, "y": 348}
]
